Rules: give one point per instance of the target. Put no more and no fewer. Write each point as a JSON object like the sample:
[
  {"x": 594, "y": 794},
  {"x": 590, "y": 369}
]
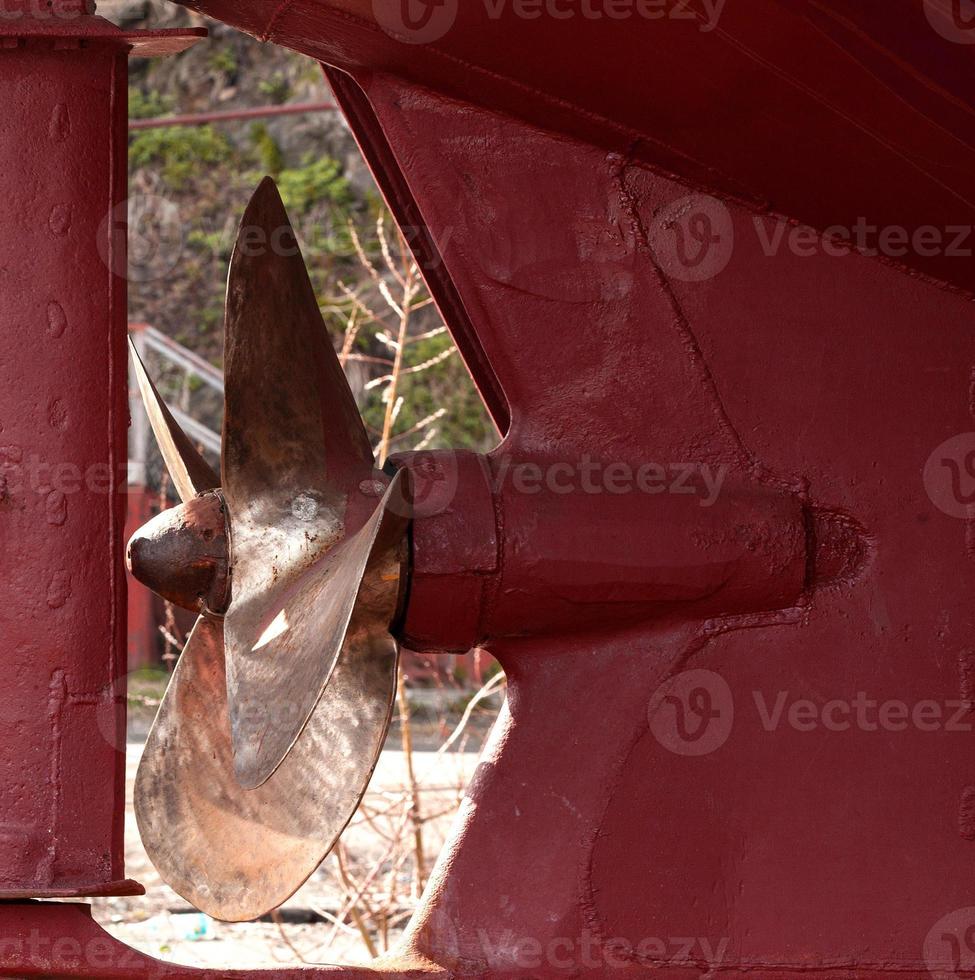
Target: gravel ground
[{"x": 163, "y": 925}]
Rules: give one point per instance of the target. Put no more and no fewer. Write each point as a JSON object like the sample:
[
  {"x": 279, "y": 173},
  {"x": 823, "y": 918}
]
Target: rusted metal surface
[
  {"x": 486, "y": 567},
  {"x": 878, "y": 90}
]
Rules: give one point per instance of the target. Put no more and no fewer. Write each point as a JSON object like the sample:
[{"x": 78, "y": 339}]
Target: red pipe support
[
  {"x": 232, "y": 115},
  {"x": 63, "y": 422}
]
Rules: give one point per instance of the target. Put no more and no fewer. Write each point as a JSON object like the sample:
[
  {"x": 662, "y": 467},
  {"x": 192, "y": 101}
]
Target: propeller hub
[{"x": 183, "y": 554}]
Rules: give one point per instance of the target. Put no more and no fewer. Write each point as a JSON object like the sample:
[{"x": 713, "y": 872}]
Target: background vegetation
[{"x": 208, "y": 173}]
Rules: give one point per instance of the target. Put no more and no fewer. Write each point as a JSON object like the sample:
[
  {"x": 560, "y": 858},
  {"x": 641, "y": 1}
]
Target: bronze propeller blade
[
  {"x": 237, "y": 853},
  {"x": 298, "y": 478},
  {"x": 190, "y": 472},
  {"x": 273, "y": 720}
]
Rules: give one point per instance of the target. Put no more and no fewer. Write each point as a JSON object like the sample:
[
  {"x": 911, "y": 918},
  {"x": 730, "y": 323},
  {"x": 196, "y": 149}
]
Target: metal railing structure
[{"x": 148, "y": 339}]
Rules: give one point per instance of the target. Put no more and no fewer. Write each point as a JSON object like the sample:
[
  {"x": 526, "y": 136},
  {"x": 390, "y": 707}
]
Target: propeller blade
[
  {"x": 276, "y": 713},
  {"x": 190, "y": 472},
  {"x": 284, "y": 643},
  {"x": 290, "y": 420},
  {"x": 235, "y": 853},
  {"x": 297, "y": 478}
]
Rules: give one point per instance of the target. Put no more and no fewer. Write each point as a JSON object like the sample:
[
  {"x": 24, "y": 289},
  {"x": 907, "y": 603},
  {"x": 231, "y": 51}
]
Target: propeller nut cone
[{"x": 183, "y": 554}]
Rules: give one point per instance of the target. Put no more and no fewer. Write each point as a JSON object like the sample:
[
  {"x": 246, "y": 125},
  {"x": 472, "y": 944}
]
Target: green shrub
[
  {"x": 223, "y": 60},
  {"x": 147, "y": 105},
  {"x": 268, "y": 152},
  {"x": 178, "y": 150},
  {"x": 277, "y": 88},
  {"x": 318, "y": 181}
]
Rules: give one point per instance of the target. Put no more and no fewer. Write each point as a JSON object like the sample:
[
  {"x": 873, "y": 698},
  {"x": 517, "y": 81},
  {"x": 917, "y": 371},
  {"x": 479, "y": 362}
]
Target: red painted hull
[{"x": 826, "y": 821}]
